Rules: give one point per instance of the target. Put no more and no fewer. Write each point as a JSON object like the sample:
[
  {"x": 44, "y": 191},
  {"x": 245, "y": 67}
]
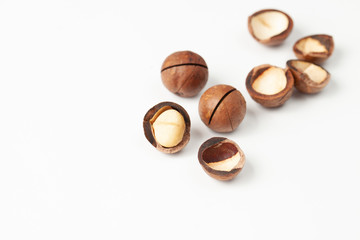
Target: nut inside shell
[
  {"x": 222, "y": 108},
  {"x": 167, "y": 127},
  {"x": 269, "y": 85},
  {"x": 315, "y": 48},
  {"x": 184, "y": 73},
  {"x": 221, "y": 158},
  {"x": 270, "y": 26},
  {"x": 309, "y": 77}
]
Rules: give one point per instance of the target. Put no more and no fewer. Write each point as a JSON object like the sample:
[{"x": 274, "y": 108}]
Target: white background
[{"x": 77, "y": 77}]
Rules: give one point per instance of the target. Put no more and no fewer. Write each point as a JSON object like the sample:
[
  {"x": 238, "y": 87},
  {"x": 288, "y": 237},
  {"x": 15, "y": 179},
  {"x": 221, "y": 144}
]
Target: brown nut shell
[
  {"x": 261, "y": 23},
  {"x": 151, "y": 116},
  {"x": 222, "y": 108},
  {"x": 269, "y": 100},
  {"x": 314, "y": 48},
  {"x": 309, "y": 77},
  {"x": 184, "y": 73},
  {"x": 221, "y": 158}
]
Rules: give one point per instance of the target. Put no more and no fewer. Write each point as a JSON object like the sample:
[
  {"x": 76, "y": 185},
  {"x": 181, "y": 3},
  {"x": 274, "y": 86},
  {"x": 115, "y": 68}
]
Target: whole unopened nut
[
  {"x": 314, "y": 48},
  {"x": 221, "y": 158},
  {"x": 167, "y": 127},
  {"x": 184, "y": 73},
  {"x": 270, "y": 26},
  {"x": 309, "y": 77},
  {"x": 222, "y": 108},
  {"x": 269, "y": 85}
]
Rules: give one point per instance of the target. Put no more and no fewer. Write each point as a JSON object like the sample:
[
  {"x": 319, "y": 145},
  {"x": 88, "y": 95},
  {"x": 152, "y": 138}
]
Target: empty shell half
[{"x": 221, "y": 158}]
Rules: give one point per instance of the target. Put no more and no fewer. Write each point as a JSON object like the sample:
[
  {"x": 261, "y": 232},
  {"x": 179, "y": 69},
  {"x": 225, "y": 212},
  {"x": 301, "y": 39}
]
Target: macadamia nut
[
  {"x": 270, "y": 26},
  {"x": 222, "y": 108},
  {"x": 269, "y": 85},
  {"x": 272, "y": 81},
  {"x": 314, "y": 48},
  {"x": 311, "y": 45},
  {"x": 169, "y": 128},
  {"x": 184, "y": 73},
  {"x": 309, "y": 77}
]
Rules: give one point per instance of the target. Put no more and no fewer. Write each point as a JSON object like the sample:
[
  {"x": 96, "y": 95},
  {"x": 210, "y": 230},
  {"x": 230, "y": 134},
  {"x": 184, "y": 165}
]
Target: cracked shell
[
  {"x": 184, "y": 73},
  {"x": 222, "y": 108}
]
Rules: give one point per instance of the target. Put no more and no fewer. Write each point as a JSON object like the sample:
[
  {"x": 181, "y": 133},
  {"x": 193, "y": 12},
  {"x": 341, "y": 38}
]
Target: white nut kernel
[
  {"x": 269, "y": 24},
  {"x": 169, "y": 128},
  {"x": 271, "y": 81},
  {"x": 310, "y": 45},
  {"x": 315, "y": 73}
]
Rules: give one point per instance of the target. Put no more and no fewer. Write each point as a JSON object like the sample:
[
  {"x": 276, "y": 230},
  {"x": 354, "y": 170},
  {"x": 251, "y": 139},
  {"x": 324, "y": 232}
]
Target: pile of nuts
[{"x": 222, "y": 107}]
